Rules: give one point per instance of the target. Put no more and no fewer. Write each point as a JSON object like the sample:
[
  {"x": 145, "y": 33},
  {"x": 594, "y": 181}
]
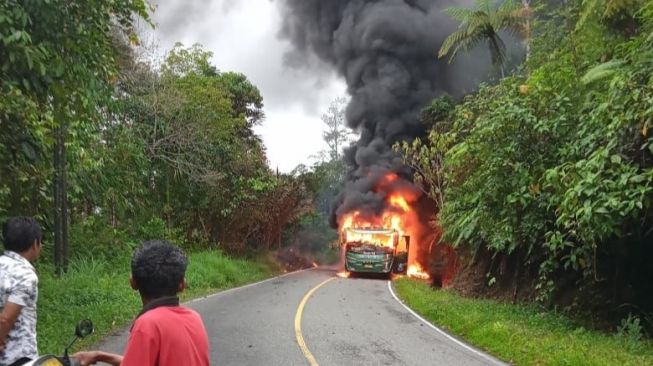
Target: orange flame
[
  {"x": 416, "y": 271},
  {"x": 343, "y": 274},
  {"x": 399, "y": 215},
  {"x": 399, "y": 202}
]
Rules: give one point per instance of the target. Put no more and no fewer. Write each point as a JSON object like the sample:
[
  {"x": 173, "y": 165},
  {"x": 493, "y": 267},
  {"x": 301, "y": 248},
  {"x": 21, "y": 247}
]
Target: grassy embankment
[
  {"x": 523, "y": 335},
  {"x": 100, "y": 291}
]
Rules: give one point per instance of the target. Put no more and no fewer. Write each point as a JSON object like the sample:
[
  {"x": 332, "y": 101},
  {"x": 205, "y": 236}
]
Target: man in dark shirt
[{"x": 164, "y": 333}]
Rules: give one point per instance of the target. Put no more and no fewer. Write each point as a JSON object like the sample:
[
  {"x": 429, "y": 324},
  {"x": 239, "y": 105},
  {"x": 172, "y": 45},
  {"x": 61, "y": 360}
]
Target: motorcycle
[{"x": 83, "y": 329}]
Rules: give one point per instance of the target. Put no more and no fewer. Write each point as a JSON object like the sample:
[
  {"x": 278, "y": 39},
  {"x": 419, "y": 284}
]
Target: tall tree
[
  {"x": 483, "y": 24},
  {"x": 207, "y": 169},
  {"x": 330, "y": 167},
  {"x": 336, "y": 134},
  {"x": 57, "y": 58}
]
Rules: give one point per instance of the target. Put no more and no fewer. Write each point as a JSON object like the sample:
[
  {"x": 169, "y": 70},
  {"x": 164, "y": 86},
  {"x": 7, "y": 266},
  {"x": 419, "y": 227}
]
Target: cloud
[{"x": 243, "y": 37}]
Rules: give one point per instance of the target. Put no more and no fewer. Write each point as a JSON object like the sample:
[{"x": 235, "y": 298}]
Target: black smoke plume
[{"x": 386, "y": 50}]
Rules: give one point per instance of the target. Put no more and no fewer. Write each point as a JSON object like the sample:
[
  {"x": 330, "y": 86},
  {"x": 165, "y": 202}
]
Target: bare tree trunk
[
  {"x": 58, "y": 189},
  {"x": 64, "y": 203},
  {"x": 60, "y": 201},
  {"x": 515, "y": 279},
  {"x": 114, "y": 219}
]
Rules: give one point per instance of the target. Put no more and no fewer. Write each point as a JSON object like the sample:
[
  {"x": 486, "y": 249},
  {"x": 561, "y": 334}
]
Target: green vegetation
[
  {"x": 523, "y": 335},
  {"x": 100, "y": 291},
  {"x": 97, "y": 133},
  {"x": 312, "y": 233},
  {"x": 547, "y": 174},
  {"x": 57, "y": 62},
  {"x": 133, "y": 142}
]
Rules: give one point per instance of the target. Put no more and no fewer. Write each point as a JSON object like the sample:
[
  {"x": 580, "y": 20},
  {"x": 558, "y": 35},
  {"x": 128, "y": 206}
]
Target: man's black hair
[
  {"x": 157, "y": 268},
  {"x": 19, "y": 233}
]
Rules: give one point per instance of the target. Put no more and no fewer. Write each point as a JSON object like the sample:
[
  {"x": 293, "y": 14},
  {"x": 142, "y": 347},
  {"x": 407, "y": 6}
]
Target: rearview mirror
[{"x": 84, "y": 328}]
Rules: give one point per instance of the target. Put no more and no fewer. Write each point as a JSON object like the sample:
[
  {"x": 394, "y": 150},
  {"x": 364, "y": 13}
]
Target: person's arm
[
  {"x": 92, "y": 357},
  {"x": 142, "y": 350},
  {"x": 8, "y": 318},
  {"x": 23, "y": 294},
  {"x": 143, "y": 345}
]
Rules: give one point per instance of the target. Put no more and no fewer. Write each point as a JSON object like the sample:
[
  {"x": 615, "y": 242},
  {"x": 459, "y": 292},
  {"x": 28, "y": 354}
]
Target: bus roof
[{"x": 373, "y": 231}]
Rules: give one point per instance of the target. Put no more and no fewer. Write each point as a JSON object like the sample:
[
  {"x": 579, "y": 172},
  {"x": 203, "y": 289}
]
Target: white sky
[{"x": 243, "y": 37}]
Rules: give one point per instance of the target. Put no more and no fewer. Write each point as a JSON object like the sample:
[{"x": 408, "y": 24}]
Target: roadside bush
[{"x": 553, "y": 169}]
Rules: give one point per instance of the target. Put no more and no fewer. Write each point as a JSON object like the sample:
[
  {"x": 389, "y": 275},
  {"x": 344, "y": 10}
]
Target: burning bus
[
  {"x": 375, "y": 250},
  {"x": 386, "y": 240}
]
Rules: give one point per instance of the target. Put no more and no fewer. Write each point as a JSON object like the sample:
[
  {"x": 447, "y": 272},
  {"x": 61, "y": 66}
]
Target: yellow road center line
[{"x": 298, "y": 323}]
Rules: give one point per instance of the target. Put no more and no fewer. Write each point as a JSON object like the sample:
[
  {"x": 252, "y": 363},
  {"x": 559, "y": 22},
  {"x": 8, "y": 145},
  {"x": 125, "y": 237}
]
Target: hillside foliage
[{"x": 548, "y": 172}]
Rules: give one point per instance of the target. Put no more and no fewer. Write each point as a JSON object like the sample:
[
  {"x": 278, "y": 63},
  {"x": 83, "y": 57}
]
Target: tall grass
[
  {"x": 99, "y": 290},
  {"x": 523, "y": 335},
  {"x": 210, "y": 271}
]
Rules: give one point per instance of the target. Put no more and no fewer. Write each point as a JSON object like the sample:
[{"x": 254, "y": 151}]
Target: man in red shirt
[{"x": 164, "y": 333}]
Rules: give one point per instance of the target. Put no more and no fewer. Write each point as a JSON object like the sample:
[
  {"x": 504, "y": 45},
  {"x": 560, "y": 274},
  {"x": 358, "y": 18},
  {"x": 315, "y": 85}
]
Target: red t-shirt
[{"x": 167, "y": 336}]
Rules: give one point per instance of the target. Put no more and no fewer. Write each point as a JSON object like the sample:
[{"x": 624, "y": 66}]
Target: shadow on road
[{"x": 374, "y": 276}]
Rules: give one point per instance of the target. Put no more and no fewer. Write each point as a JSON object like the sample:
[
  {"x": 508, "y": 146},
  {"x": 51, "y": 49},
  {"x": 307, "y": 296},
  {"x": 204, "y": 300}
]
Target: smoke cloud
[{"x": 386, "y": 50}]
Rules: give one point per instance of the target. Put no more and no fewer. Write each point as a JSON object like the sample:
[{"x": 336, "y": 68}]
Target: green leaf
[
  {"x": 637, "y": 179},
  {"x": 28, "y": 57},
  {"x": 615, "y": 159}
]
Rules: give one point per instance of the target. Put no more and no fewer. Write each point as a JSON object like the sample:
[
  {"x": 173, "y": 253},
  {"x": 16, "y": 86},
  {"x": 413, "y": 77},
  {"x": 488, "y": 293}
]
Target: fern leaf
[{"x": 601, "y": 71}]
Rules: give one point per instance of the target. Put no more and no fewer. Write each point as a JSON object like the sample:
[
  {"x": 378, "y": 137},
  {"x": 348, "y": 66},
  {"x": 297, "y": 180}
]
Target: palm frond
[
  {"x": 452, "y": 40},
  {"x": 479, "y": 23},
  {"x": 470, "y": 42},
  {"x": 460, "y": 14},
  {"x": 484, "y": 5}
]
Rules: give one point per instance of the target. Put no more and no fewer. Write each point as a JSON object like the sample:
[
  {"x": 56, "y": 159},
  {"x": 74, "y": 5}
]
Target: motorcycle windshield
[{"x": 45, "y": 361}]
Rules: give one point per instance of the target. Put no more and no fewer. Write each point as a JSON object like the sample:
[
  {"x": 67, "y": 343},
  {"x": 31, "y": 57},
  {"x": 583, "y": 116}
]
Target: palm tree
[{"x": 483, "y": 23}]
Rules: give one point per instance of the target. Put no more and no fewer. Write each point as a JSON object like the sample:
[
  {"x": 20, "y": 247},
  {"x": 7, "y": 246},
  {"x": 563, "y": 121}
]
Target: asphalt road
[{"x": 346, "y": 321}]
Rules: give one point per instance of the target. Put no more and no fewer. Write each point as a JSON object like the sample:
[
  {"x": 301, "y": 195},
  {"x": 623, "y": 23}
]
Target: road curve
[{"x": 354, "y": 321}]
